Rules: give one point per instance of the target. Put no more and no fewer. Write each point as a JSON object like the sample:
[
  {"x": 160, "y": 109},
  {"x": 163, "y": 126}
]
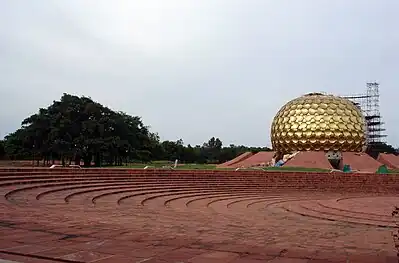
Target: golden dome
[{"x": 318, "y": 122}]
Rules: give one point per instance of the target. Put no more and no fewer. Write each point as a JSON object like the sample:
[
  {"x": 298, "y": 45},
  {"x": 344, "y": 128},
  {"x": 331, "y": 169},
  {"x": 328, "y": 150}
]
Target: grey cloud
[{"x": 196, "y": 69}]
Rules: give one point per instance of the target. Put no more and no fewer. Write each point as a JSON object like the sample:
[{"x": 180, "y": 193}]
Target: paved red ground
[{"x": 116, "y": 216}]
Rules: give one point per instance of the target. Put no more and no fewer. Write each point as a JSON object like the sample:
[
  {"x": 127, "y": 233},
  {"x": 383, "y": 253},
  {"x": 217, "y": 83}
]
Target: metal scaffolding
[{"x": 369, "y": 104}]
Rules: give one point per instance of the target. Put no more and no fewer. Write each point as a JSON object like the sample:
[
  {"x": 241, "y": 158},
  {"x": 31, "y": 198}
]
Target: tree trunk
[
  {"x": 97, "y": 160},
  {"x": 87, "y": 160},
  {"x": 77, "y": 160}
]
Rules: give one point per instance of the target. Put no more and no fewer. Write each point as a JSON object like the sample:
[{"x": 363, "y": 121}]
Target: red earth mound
[
  {"x": 238, "y": 159},
  {"x": 361, "y": 162},
  {"x": 390, "y": 160},
  {"x": 260, "y": 158},
  {"x": 309, "y": 160}
]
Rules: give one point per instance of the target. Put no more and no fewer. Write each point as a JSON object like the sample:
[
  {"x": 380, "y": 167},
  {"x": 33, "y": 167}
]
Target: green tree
[
  {"x": 173, "y": 150},
  {"x": 75, "y": 129},
  {"x": 156, "y": 149},
  {"x": 78, "y": 128},
  {"x": 212, "y": 150},
  {"x": 374, "y": 149},
  {"x": 2, "y": 150},
  {"x": 17, "y": 146},
  {"x": 190, "y": 155}
]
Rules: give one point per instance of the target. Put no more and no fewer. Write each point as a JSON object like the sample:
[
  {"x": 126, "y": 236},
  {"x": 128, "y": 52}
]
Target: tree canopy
[
  {"x": 76, "y": 129},
  {"x": 375, "y": 148},
  {"x": 2, "y": 150}
]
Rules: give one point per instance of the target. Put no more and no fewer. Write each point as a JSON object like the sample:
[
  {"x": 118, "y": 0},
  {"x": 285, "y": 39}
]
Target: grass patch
[
  {"x": 197, "y": 166},
  {"x": 164, "y": 164},
  {"x": 194, "y": 166}
]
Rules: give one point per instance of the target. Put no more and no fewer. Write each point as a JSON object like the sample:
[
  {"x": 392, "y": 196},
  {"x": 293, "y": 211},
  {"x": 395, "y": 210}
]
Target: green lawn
[
  {"x": 163, "y": 164},
  {"x": 193, "y": 166}
]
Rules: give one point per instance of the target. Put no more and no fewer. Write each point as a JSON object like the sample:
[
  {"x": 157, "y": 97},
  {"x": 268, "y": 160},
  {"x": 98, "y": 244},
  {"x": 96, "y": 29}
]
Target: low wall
[{"x": 337, "y": 182}]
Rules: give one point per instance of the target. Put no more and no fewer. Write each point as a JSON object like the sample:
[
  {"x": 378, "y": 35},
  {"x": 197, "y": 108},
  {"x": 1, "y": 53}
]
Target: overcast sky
[{"x": 194, "y": 69}]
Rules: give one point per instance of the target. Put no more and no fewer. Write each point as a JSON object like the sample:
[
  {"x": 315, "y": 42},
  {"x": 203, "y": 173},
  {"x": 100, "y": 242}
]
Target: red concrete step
[{"x": 310, "y": 209}]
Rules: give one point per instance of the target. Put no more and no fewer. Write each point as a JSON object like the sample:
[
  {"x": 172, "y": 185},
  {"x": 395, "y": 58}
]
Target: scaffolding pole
[{"x": 369, "y": 104}]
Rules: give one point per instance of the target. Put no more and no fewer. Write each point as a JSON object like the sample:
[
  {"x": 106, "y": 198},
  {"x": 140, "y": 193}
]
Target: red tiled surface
[
  {"x": 214, "y": 256},
  {"x": 86, "y": 256},
  {"x": 118, "y": 215}
]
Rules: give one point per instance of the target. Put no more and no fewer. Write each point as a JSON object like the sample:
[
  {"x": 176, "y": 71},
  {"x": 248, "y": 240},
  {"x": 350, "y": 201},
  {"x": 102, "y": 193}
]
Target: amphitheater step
[
  {"x": 258, "y": 215},
  {"x": 7, "y": 261}
]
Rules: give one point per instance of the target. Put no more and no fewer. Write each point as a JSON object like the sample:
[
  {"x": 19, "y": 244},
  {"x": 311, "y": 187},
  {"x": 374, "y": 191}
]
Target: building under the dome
[
  {"x": 324, "y": 132},
  {"x": 318, "y": 122}
]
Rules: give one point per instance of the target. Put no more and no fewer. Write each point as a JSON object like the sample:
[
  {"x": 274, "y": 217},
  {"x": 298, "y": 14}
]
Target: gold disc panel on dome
[{"x": 318, "y": 122}]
